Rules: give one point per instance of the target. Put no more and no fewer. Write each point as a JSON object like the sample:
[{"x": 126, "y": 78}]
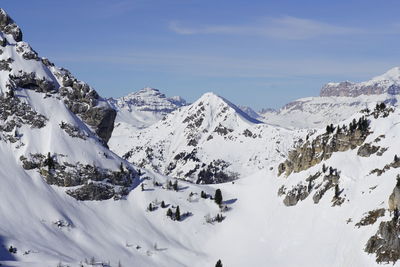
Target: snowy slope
[
  {"x": 259, "y": 230},
  {"x": 50, "y": 112},
  {"x": 337, "y": 102},
  {"x": 212, "y": 138}
]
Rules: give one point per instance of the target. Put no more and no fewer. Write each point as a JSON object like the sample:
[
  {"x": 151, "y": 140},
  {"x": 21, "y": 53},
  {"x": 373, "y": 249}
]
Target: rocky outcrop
[
  {"x": 8, "y": 26},
  {"x": 350, "y": 89},
  {"x": 367, "y": 150},
  {"x": 296, "y": 194},
  {"x": 92, "y": 182},
  {"x": 14, "y": 114},
  {"x": 385, "y": 244},
  {"x": 394, "y": 198},
  {"x": 31, "y": 81},
  {"x": 371, "y": 217},
  {"x": 84, "y": 101},
  {"x": 215, "y": 172},
  {"x": 79, "y": 97},
  {"x": 323, "y": 146},
  {"x": 389, "y": 83},
  {"x": 394, "y": 164}
]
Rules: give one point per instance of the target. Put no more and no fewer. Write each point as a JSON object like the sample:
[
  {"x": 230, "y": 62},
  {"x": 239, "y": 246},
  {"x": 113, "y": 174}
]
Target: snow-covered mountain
[
  {"x": 144, "y": 107},
  {"x": 326, "y": 197},
  {"x": 337, "y": 101},
  {"x": 209, "y": 141}
]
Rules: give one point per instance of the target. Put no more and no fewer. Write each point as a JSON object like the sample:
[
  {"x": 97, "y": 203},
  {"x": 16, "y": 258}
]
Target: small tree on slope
[{"x": 218, "y": 197}]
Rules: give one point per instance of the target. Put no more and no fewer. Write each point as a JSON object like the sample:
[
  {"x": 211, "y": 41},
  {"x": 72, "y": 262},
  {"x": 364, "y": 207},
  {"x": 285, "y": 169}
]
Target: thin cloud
[
  {"x": 290, "y": 28},
  {"x": 219, "y": 66}
]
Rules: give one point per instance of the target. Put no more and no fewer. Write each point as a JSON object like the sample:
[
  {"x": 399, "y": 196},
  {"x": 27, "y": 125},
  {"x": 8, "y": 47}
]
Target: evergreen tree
[
  {"x": 178, "y": 214},
  {"x": 142, "y": 186},
  {"x": 203, "y": 194},
  {"x": 309, "y": 187},
  {"x": 163, "y": 204},
  {"x": 169, "y": 185},
  {"x": 49, "y": 162},
  {"x": 396, "y": 215},
  {"x": 218, "y": 264},
  {"x": 150, "y": 208},
  {"x": 175, "y": 185},
  {"x": 337, "y": 191},
  {"x": 218, "y": 197},
  {"x": 396, "y": 158},
  {"x": 121, "y": 168},
  {"x": 169, "y": 213}
]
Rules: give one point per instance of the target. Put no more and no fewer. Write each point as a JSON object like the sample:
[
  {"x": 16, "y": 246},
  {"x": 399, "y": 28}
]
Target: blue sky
[{"x": 258, "y": 53}]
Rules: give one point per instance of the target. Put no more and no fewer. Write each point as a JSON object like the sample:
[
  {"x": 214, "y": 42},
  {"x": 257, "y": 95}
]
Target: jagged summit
[
  {"x": 9, "y": 27},
  {"x": 388, "y": 82},
  {"x": 21, "y": 69}
]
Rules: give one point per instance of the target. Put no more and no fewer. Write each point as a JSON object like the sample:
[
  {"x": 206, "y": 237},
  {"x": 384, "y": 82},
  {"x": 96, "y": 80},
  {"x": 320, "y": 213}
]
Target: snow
[{"x": 258, "y": 229}]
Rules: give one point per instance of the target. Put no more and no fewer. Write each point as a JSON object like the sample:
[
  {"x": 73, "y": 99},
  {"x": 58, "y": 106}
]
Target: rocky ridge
[{"x": 22, "y": 68}]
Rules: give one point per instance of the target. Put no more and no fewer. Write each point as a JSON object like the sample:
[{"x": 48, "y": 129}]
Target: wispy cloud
[
  {"x": 286, "y": 27},
  {"x": 220, "y": 66}
]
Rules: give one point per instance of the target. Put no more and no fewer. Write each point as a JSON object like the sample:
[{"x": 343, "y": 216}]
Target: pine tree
[
  {"x": 175, "y": 185},
  {"x": 218, "y": 197},
  {"x": 203, "y": 194},
  {"x": 396, "y": 158},
  {"x": 150, "y": 208},
  {"x": 142, "y": 186},
  {"x": 396, "y": 215},
  {"x": 121, "y": 168},
  {"x": 178, "y": 214},
  {"x": 49, "y": 162},
  {"x": 218, "y": 264},
  {"x": 169, "y": 213},
  {"x": 163, "y": 204},
  {"x": 337, "y": 191}
]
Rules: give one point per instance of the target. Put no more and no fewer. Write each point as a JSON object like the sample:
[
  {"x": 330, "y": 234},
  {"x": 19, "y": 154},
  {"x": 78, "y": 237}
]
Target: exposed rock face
[
  {"x": 8, "y": 26},
  {"x": 371, "y": 217},
  {"x": 39, "y": 74},
  {"x": 94, "y": 183},
  {"x": 321, "y": 148},
  {"x": 394, "y": 198},
  {"x": 367, "y": 150},
  {"x": 386, "y": 83},
  {"x": 14, "y": 114},
  {"x": 31, "y": 81},
  {"x": 385, "y": 243},
  {"x": 295, "y": 195}
]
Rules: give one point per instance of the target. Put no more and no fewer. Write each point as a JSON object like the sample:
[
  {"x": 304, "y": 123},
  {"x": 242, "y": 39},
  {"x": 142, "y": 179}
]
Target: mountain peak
[
  {"x": 219, "y": 104},
  {"x": 392, "y": 75},
  {"x": 389, "y": 82},
  {"x": 148, "y": 99},
  {"x": 8, "y": 26}
]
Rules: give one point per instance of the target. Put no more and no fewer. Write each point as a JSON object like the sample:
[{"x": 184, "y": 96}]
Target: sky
[{"x": 257, "y": 53}]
